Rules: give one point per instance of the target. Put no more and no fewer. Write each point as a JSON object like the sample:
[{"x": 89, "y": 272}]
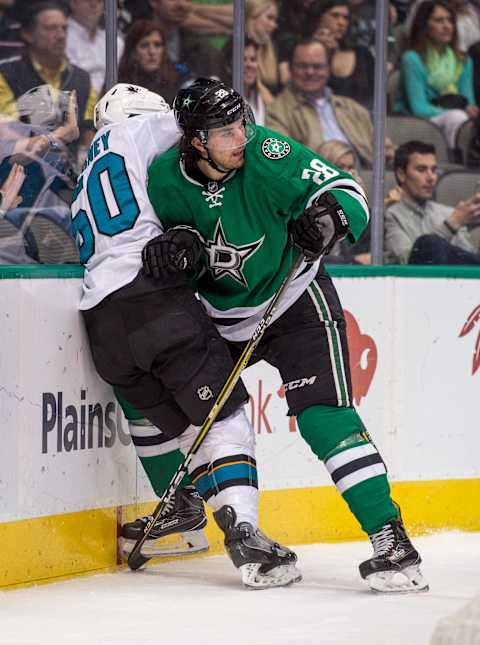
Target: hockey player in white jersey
[{"x": 154, "y": 342}]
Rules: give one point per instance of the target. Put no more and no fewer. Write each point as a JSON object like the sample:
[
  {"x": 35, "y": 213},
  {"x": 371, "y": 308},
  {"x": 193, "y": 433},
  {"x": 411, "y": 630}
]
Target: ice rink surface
[{"x": 199, "y": 601}]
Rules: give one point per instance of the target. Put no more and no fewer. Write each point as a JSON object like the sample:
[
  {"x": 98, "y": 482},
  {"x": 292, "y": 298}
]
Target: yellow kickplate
[{"x": 58, "y": 546}]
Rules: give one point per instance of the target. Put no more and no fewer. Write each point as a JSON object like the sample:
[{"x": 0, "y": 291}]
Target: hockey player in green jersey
[{"x": 253, "y": 200}]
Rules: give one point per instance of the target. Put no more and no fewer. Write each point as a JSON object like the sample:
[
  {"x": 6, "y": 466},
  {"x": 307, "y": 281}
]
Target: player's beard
[{"x": 235, "y": 160}]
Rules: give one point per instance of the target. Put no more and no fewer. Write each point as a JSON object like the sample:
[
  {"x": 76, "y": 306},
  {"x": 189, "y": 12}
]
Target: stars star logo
[
  {"x": 275, "y": 148},
  {"x": 187, "y": 102},
  {"x": 225, "y": 258}
]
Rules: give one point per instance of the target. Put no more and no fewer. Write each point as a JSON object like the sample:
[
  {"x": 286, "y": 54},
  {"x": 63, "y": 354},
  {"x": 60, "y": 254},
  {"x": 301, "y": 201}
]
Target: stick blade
[{"x": 136, "y": 560}]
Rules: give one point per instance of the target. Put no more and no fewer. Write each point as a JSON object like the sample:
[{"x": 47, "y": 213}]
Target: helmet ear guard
[{"x": 125, "y": 100}]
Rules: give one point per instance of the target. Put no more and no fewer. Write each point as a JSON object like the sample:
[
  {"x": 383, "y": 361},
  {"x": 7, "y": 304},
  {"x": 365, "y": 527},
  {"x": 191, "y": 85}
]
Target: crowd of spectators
[{"x": 308, "y": 74}]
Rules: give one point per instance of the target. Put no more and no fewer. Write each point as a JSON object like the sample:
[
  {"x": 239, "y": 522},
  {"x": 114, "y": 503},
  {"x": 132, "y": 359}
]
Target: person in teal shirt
[{"x": 436, "y": 80}]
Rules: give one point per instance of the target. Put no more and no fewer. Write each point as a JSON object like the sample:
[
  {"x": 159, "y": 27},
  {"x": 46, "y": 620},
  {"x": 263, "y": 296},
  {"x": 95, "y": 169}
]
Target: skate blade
[
  {"x": 409, "y": 580},
  {"x": 281, "y": 576},
  {"x": 188, "y": 543}
]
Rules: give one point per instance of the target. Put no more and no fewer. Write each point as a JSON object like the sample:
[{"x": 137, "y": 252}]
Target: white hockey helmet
[
  {"x": 124, "y": 100},
  {"x": 43, "y": 106}
]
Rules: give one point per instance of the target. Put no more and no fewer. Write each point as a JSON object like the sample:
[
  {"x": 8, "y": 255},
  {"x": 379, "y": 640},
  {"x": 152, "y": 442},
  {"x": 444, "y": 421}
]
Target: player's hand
[
  {"x": 318, "y": 228},
  {"x": 11, "y": 187},
  {"x": 179, "y": 249},
  {"x": 327, "y": 37},
  {"x": 69, "y": 130}
]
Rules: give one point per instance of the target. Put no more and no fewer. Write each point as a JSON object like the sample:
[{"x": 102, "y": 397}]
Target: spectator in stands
[
  {"x": 341, "y": 155},
  {"x": 86, "y": 43},
  {"x": 308, "y": 111},
  {"x": 213, "y": 18},
  {"x": 352, "y": 66},
  {"x": 145, "y": 61},
  {"x": 12, "y": 241},
  {"x": 41, "y": 228},
  {"x": 44, "y": 32},
  {"x": 124, "y": 16},
  {"x": 467, "y": 20},
  {"x": 10, "y": 189},
  {"x": 401, "y": 7},
  {"x": 436, "y": 78},
  {"x": 138, "y": 9},
  {"x": 363, "y": 28},
  {"x": 257, "y": 95},
  {"x": 10, "y": 41},
  {"x": 419, "y": 230},
  {"x": 474, "y": 54},
  {"x": 261, "y": 22},
  {"x": 291, "y": 24},
  {"x": 184, "y": 47}
]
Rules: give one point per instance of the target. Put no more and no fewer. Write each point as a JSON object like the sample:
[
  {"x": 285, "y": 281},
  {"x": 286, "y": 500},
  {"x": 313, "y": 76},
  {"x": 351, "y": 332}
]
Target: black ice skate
[
  {"x": 262, "y": 562},
  {"x": 395, "y": 566},
  {"x": 185, "y": 516}
]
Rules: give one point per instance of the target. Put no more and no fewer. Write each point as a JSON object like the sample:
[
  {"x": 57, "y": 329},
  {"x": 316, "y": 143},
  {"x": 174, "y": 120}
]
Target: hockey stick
[{"x": 136, "y": 559}]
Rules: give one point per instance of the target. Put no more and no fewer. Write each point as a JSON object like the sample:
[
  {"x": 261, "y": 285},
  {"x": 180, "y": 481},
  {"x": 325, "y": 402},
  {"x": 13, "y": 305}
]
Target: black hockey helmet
[{"x": 208, "y": 104}]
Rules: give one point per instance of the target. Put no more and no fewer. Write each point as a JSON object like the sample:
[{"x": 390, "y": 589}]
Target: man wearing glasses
[{"x": 309, "y": 112}]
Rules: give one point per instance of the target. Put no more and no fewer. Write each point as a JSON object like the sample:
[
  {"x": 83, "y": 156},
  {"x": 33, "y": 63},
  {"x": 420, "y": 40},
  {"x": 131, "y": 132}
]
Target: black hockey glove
[
  {"x": 176, "y": 250},
  {"x": 319, "y": 226}
]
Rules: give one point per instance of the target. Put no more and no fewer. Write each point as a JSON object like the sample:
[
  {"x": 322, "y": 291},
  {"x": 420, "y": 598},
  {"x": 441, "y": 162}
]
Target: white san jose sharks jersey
[{"x": 112, "y": 218}]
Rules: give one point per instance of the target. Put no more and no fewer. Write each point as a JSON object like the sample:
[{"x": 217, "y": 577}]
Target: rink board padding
[
  {"x": 59, "y": 546},
  {"x": 67, "y": 463}
]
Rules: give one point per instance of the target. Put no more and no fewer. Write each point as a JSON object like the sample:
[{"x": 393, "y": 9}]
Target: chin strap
[{"x": 212, "y": 163}]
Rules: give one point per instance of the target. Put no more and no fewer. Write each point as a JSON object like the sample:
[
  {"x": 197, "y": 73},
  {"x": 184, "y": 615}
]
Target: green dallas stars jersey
[{"x": 244, "y": 221}]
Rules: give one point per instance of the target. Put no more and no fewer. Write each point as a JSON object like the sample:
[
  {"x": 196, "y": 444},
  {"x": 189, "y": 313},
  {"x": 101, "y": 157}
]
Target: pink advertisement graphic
[
  {"x": 363, "y": 363},
  {"x": 473, "y": 321}
]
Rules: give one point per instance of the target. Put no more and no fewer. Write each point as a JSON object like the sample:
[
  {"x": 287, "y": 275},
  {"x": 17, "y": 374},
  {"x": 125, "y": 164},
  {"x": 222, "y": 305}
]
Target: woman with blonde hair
[
  {"x": 341, "y": 155},
  {"x": 261, "y": 21},
  {"x": 255, "y": 92}
]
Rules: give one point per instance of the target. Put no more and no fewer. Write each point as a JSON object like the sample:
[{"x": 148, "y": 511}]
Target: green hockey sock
[
  {"x": 338, "y": 437},
  {"x": 160, "y": 470},
  {"x": 131, "y": 413}
]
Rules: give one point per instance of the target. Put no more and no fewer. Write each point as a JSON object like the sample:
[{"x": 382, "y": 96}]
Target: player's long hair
[{"x": 188, "y": 153}]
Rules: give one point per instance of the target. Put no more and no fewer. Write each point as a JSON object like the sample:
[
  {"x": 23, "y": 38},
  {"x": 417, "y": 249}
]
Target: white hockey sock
[{"x": 224, "y": 468}]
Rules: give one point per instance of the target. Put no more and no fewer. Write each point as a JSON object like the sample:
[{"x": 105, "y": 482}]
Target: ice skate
[
  {"x": 184, "y": 517},
  {"x": 395, "y": 565},
  {"x": 262, "y": 562}
]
